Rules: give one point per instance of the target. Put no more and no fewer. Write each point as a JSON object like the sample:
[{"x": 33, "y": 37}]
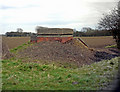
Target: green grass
[
  {"x": 17, "y": 75},
  {"x": 111, "y": 46}
]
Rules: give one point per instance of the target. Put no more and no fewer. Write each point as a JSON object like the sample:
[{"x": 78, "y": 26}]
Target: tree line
[{"x": 91, "y": 32}]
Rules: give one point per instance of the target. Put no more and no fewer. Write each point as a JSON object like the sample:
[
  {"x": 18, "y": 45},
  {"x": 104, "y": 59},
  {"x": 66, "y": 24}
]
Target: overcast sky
[{"x": 27, "y": 14}]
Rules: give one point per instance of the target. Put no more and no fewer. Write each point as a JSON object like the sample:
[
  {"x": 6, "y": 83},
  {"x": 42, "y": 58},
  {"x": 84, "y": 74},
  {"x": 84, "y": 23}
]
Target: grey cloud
[{"x": 102, "y": 6}]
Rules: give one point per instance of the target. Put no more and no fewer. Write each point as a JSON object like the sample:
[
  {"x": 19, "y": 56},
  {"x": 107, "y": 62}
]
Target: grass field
[{"x": 32, "y": 76}]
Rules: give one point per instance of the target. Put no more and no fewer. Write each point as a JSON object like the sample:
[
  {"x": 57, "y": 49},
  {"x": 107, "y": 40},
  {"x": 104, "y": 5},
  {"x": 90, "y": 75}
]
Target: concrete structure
[{"x": 53, "y": 34}]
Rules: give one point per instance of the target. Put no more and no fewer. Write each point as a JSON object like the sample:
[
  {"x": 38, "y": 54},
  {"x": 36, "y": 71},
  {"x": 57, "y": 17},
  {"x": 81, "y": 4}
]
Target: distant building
[{"x": 49, "y": 34}]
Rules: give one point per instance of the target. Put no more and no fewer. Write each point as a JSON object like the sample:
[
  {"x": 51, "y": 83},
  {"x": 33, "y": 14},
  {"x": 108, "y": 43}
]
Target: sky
[{"x": 75, "y": 14}]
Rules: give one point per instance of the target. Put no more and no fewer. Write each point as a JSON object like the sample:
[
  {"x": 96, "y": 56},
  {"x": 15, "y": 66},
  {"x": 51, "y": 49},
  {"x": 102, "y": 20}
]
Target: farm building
[{"x": 52, "y": 34}]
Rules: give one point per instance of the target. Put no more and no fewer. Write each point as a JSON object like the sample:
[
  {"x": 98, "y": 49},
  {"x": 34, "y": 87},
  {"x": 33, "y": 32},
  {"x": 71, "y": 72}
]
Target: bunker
[{"x": 52, "y": 34}]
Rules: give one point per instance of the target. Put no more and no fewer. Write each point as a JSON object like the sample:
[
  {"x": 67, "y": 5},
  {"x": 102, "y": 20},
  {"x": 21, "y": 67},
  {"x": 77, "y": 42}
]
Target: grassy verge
[{"x": 17, "y": 75}]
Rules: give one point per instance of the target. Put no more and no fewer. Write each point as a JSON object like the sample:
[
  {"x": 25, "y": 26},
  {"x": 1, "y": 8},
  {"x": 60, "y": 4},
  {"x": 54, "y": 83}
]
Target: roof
[{"x": 45, "y": 30}]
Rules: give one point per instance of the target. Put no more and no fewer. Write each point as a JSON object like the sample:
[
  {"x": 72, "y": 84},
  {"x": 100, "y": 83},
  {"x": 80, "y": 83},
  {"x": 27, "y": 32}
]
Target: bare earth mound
[{"x": 56, "y": 51}]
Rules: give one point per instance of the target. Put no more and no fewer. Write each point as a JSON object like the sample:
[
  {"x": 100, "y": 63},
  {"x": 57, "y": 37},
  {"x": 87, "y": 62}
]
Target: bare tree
[
  {"x": 19, "y": 30},
  {"x": 86, "y": 29},
  {"x": 111, "y": 22}
]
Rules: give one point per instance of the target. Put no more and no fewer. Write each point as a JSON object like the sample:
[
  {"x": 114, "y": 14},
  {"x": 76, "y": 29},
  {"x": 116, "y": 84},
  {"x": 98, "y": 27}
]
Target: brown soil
[
  {"x": 69, "y": 52},
  {"x": 99, "y": 42},
  {"x": 13, "y": 42},
  {"x": 56, "y": 51}
]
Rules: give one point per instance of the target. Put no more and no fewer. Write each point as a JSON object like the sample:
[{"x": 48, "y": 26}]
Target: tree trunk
[{"x": 118, "y": 42}]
